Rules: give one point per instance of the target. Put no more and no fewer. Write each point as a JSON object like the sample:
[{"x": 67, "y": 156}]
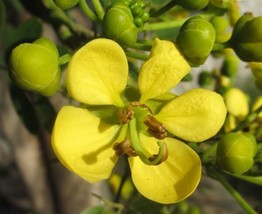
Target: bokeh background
[{"x": 33, "y": 181}]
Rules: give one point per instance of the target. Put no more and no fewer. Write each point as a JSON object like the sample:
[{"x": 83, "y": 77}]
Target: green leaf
[
  {"x": 251, "y": 179},
  {"x": 24, "y": 109},
  {"x": 27, "y": 31},
  {"x": 141, "y": 205},
  {"x": 94, "y": 210},
  {"x": 2, "y": 29},
  {"x": 2, "y": 18},
  {"x": 45, "y": 112}
]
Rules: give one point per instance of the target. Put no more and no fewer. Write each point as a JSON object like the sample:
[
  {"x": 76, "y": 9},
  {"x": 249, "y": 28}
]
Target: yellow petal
[
  {"x": 171, "y": 181},
  {"x": 164, "y": 69},
  {"x": 83, "y": 143},
  {"x": 230, "y": 123},
  {"x": 257, "y": 104},
  {"x": 97, "y": 73},
  {"x": 195, "y": 115},
  {"x": 237, "y": 103}
]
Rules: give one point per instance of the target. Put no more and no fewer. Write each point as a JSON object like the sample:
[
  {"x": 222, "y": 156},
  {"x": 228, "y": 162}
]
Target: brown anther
[
  {"x": 164, "y": 156},
  {"x": 137, "y": 104},
  {"x": 125, "y": 115},
  {"x": 124, "y": 148},
  {"x": 155, "y": 128}
]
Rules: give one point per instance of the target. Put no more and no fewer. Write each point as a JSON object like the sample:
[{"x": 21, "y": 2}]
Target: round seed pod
[
  {"x": 235, "y": 152},
  {"x": 118, "y": 24},
  {"x": 35, "y": 67},
  {"x": 246, "y": 38},
  {"x": 66, "y": 4},
  {"x": 193, "y": 4},
  {"x": 196, "y": 39}
]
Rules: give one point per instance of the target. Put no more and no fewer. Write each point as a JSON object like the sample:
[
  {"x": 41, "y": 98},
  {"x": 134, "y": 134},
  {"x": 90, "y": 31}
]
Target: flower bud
[
  {"x": 235, "y": 152},
  {"x": 65, "y": 4},
  {"x": 220, "y": 3},
  {"x": 237, "y": 103},
  {"x": 246, "y": 38},
  {"x": 118, "y": 24},
  {"x": 230, "y": 65},
  {"x": 220, "y": 24},
  {"x": 205, "y": 78},
  {"x": 193, "y": 4},
  {"x": 257, "y": 104},
  {"x": 196, "y": 39},
  {"x": 256, "y": 68},
  {"x": 35, "y": 66}
]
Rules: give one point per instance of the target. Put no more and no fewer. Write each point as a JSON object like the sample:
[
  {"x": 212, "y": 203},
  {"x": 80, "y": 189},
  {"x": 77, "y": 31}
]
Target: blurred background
[{"x": 32, "y": 180}]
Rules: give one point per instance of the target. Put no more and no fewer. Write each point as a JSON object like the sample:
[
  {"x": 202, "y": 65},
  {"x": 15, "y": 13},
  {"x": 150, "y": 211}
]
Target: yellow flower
[
  {"x": 237, "y": 104},
  {"x": 89, "y": 139}
]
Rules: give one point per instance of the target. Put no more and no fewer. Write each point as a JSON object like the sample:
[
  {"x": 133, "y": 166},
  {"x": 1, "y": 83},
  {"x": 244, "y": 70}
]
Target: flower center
[{"x": 137, "y": 118}]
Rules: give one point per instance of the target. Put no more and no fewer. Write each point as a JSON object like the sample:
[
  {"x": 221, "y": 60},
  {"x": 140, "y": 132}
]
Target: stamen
[
  {"x": 124, "y": 148},
  {"x": 125, "y": 115},
  {"x": 154, "y": 159},
  {"x": 164, "y": 156},
  {"x": 155, "y": 128},
  {"x": 137, "y": 104}
]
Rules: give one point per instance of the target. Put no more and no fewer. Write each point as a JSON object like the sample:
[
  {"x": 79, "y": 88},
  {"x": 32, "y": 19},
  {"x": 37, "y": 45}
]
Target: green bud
[
  {"x": 235, "y": 152},
  {"x": 256, "y": 68},
  {"x": 220, "y": 24},
  {"x": 118, "y": 24},
  {"x": 138, "y": 22},
  {"x": 246, "y": 38},
  {"x": 66, "y": 4},
  {"x": 35, "y": 67},
  {"x": 205, "y": 78},
  {"x": 193, "y": 4},
  {"x": 258, "y": 83},
  {"x": 230, "y": 65},
  {"x": 196, "y": 39},
  {"x": 145, "y": 16},
  {"x": 220, "y": 3}
]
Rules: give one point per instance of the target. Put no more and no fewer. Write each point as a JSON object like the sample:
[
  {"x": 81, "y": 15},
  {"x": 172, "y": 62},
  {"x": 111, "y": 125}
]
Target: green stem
[
  {"x": 258, "y": 133},
  {"x": 143, "y": 155},
  {"x": 59, "y": 15},
  {"x": 64, "y": 59},
  {"x": 164, "y": 25},
  {"x": 118, "y": 206},
  {"x": 242, "y": 202},
  {"x": 122, "y": 135},
  {"x": 164, "y": 9},
  {"x": 250, "y": 118},
  {"x": 209, "y": 152},
  {"x": 143, "y": 45},
  {"x": 99, "y": 9},
  {"x": 135, "y": 55},
  {"x": 87, "y": 11},
  {"x": 221, "y": 46}
]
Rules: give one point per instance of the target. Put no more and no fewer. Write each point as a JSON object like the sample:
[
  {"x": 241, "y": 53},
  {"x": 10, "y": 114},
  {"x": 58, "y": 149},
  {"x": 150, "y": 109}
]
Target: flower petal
[
  {"x": 237, "y": 103},
  {"x": 97, "y": 73},
  {"x": 195, "y": 115},
  {"x": 171, "y": 181},
  {"x": 83, "y": 143},
  {"x": 164, "y": 69}
]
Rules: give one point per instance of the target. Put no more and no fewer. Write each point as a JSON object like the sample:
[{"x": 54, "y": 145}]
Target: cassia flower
[{"x": 115, "y": 119}]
